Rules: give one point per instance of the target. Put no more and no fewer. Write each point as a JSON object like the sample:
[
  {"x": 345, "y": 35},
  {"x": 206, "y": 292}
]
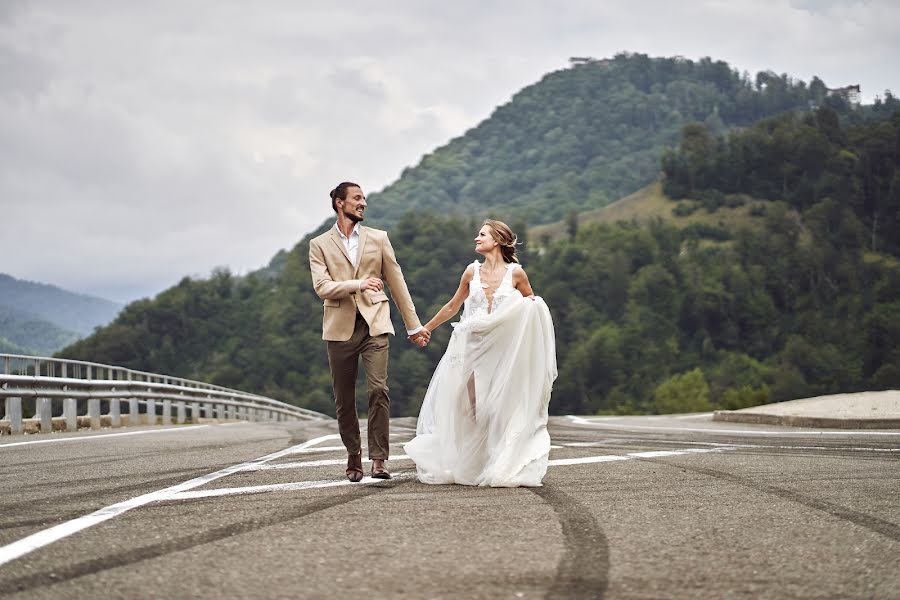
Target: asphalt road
[{"x": 632, "y": 507}]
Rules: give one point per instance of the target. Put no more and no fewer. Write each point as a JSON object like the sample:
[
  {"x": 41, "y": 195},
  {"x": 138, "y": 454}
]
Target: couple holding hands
[{"x": 483, "y": 420}]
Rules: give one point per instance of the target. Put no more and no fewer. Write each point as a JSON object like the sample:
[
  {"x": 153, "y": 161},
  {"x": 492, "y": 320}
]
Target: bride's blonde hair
[{"x": 504, "y": 236}]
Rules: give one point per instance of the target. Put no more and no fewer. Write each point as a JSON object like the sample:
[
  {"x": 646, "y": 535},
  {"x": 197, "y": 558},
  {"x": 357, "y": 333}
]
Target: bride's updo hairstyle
[
  {"x": 504, "y": 236},
  {"x": 340, "y": 192}
]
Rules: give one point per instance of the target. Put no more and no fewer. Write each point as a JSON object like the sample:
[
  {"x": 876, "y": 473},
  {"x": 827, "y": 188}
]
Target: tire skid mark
[
  {"x": 880, "y": 526},
  {"x": 583, "y": 569},
  {"x": 94, "y": 566}
]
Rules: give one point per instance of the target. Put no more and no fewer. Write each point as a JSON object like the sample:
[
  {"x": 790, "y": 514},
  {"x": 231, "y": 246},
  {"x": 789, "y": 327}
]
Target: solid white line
[
  {"x": 799, "y": 432},
  {"x": 632, "y": 455},
  {"x": 103, "y": 436},
  {"x": 58, "y": 532},
  {"x": 281, "y": 487},
  {"x": 315, "y": 463},
  {"x": 694, "y": 443},
  {"x": 320, "y": 449},
  {"x": 556, "y": 462}
]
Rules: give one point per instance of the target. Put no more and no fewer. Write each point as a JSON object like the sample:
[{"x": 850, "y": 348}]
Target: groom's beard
[{"x": 356, "y": 218}]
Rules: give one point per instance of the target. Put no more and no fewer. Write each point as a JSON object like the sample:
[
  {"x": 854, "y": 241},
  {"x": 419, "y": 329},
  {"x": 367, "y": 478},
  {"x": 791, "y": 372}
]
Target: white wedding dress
[{"x": 484, "y": 417}]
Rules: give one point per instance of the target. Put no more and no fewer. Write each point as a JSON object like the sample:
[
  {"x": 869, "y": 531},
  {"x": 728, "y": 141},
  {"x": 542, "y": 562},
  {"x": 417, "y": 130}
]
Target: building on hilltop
[
  {"x": 850, "y": 93},
  {"x": 588, "y": 60}
]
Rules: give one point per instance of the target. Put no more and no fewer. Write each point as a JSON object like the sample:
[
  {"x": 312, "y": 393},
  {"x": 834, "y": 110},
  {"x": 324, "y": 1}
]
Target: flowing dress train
[{"x": 484, "y": 417}]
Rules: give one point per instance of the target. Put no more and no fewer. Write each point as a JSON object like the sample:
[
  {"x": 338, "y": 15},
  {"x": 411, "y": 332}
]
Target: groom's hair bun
[{"x": 340, "y": 192}]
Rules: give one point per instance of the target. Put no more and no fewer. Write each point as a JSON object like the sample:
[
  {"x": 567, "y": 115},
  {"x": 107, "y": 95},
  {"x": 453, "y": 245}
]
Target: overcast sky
[{"x": 144, "y": 141}]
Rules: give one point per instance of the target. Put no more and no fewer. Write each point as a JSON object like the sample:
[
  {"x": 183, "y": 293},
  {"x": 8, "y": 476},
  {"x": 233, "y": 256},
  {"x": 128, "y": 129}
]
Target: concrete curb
[{"x": 798, "y": 421}]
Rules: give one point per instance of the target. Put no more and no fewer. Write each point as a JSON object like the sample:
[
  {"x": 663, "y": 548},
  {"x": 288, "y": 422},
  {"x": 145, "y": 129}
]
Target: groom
[{"x": 349, "y": 265}]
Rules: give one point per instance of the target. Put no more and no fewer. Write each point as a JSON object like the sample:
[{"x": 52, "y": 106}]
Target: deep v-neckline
[{"x": 484, "y": 287}]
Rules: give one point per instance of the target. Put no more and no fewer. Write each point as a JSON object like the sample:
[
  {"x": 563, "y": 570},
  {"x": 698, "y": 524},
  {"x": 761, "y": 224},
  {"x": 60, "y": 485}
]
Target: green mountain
[
  {"x": 26, "y": 333},
  {"x": 747, "y": 291},
  {"x": 583, "y": 137},
  {"x": 70, "y": 311}
]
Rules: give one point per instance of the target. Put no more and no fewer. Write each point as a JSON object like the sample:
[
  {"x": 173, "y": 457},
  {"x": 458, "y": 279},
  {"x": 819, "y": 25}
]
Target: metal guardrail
[{"x": 67, "y": 394}]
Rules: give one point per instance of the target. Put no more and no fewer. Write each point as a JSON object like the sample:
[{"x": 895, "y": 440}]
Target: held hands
[{"x": 420, "y": 338}]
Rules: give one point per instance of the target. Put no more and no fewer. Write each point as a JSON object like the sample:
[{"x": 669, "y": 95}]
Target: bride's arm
[
  {"x": 449, "y": 310},
  {"x": 521, "y": 283}
]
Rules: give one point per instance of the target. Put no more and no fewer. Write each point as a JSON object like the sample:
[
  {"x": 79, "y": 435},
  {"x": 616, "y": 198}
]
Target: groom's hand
[{"x": 372, "y": 283}]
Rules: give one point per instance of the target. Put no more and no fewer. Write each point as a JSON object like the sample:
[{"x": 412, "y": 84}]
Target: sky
[{"x": 141, "y": 142}]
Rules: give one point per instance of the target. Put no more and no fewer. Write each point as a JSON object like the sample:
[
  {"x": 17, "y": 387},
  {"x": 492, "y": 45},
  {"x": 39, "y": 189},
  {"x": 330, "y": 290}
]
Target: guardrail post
[
  {"x": 115, "y": 412},
  {"x": 14, "y": 414},
  {"x": 167, "y": 412},
  {"x": 151, "y": 411},
  {"x": 134, "y": 412},
  {"x": 94, "y": 412},
  {"x": 44, "y": 412},
  {"x": 220, "y": 411},
  {"x": 70, "y": 413},
  {"x": 180, "y": 412}
]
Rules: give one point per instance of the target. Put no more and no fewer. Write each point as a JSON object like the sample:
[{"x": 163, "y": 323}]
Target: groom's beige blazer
[{"x": 336, "y": 280}]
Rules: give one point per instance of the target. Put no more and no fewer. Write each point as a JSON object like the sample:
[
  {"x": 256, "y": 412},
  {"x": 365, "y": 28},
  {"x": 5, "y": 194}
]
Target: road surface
[{"x": 632, "y": 507}]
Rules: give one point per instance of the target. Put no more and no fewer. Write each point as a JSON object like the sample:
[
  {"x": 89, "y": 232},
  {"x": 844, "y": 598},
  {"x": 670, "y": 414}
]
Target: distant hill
[
  {"x": 26, "y": 333},
  {"x": 7, "y": 347},
  {"x": 70, "y": 311}
]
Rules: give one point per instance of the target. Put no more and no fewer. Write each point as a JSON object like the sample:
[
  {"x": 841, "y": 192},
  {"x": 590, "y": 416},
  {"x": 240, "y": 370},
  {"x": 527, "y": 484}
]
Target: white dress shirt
[{"x": 350, "y": 243}]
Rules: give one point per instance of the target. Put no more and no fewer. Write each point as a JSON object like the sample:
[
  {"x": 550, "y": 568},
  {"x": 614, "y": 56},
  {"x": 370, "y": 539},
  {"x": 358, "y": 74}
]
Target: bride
[{"x": 484, "y": 417}]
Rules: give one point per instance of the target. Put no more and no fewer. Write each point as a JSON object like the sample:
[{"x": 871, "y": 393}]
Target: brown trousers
[{"x": 343, "y": 358}]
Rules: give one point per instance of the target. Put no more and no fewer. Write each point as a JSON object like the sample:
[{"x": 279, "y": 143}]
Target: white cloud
[{"x": 140, "y": 142}]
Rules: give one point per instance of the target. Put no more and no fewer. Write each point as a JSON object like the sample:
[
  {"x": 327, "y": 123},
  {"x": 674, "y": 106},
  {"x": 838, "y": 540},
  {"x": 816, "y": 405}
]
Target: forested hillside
[
  {"x": 798, "y": 296},
  {"x": 585, "y": 136}
]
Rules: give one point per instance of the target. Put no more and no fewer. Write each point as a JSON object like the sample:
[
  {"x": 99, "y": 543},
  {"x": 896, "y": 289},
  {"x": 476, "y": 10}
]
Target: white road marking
[
  {"x": 58, "y": 532},
  {"x": 594, "y": 422},
  {"x": 632, "y": 455},
  {"x": 304, "y": 485},
  {"x": 320, "y": 449},
  {"x": 283, "y": 487},
  {"x": 715, "y": 444},
  {"x": 316, "y": 463},
  {"x": 183, "y": 491},
  {"x": 103, "y": 436}
]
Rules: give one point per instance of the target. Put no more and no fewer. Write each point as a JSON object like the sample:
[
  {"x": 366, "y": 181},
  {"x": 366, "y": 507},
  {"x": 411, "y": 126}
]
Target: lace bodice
[{"x": 477, "y": 303}]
